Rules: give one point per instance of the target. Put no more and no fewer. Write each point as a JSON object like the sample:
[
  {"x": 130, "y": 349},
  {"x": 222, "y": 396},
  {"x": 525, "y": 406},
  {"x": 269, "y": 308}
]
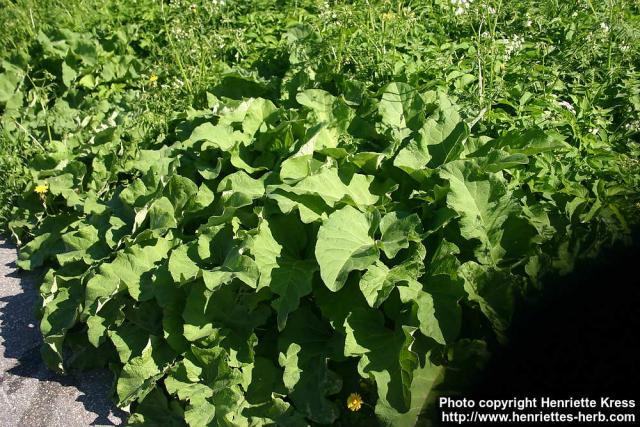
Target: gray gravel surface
[{"x": 31, "y": 395}]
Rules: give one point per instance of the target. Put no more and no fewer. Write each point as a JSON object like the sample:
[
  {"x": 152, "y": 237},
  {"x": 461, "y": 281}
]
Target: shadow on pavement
[{"x": 33, "y": 394}]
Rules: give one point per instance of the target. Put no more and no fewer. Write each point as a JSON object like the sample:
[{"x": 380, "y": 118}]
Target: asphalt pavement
[{"x": 30, "y": 394}]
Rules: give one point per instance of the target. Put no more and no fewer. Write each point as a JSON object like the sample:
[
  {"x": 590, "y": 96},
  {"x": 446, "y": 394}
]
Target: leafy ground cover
[{"x": 302, "y": 212}]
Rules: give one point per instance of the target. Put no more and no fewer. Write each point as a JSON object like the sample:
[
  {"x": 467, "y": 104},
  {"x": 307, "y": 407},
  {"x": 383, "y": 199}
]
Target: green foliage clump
[{"x": 250, "y": 212}]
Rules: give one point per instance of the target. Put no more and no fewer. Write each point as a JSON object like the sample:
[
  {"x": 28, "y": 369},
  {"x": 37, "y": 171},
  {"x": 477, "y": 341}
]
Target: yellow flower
[
  {"x": 354, "y": 402},
  {"x": 41, "y": 188},
  {"x": 153, "y": 78}
]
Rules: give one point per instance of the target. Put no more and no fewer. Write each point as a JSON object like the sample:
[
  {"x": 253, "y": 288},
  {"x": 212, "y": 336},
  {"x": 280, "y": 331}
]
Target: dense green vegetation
[{"x": 251, "y": 210}]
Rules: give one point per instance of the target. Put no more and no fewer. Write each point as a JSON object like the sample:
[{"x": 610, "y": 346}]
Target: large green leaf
[
  {"x": 495, "y": 291},
  {"x": 140, "y": 374},
  {"x": 218, "y": 315},
  {"x": 59, "y": 314},
  {"x": 384, "y": 355},
  {"x": 398, "y": 229},
  {"x": 220, "y": 136},
  {"x": 155, "y": 409},
  {"x": 326, "y": 108},
  {"x": 162, "y": 215},
  {"x": 378, "y": 281},
  {"x": 125, "y": 272},
  {"x": 46, "y": 244},
  {"x": 329, "y": 186},
  {"x": 305, "y": 347},
  {"x": 83, "y": 244},
  {"x": 182, "y": 265},
  {"x": 401, "y": 107},
  {"x": 439, "y": 141},
  {"x": 344, "y": 245},
  {"x": 413, "y": 157},
  {"x": 426, "y": 378},
  {"x": 286, "y": 276},
  {"x": 483, "y": 204},
  {"x": 437, "y": 306},
  {"x": 532, "y": 141}
]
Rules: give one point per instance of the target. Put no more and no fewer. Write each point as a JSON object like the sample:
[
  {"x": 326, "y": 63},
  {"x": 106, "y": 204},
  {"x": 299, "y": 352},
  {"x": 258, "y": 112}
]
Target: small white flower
[
  {"x": 604, "y": 27},
  {"x": 462, "y": 6},
  {"x": 528, "y": 23},
  {"x": 568, "y": 106},
  {"x": 512, "y": 45}
]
